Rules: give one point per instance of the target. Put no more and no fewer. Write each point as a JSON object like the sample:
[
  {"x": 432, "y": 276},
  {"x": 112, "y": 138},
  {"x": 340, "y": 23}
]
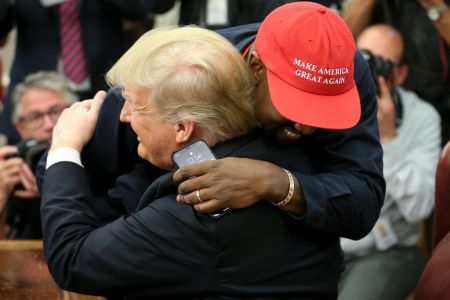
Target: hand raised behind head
[{"x": 76, "y": 124}]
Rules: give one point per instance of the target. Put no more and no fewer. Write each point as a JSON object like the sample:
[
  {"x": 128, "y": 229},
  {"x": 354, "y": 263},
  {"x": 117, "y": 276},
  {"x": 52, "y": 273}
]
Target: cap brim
[{"x": 341, "y": 111}]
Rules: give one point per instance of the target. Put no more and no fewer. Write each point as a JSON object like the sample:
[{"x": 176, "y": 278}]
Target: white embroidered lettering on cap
[{"x": 309, "y": 70}]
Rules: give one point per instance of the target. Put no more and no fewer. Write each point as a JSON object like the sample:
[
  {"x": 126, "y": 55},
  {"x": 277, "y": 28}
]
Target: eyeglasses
[{"x": 36, "y": 119}]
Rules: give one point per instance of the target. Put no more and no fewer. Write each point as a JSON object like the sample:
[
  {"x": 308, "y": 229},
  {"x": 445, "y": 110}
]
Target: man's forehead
[{"x": 41, "y": 99}]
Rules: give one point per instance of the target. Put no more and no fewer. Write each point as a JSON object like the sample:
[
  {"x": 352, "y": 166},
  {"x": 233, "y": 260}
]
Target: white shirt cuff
[{"x": 63, "y": 154}]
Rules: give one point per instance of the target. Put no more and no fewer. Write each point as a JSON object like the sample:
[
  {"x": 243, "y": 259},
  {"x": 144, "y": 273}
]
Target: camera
[
  {"x": 382, "y": 67},
  {"x": 30, "y": 151},
  {"x": 378, "y": 66}
]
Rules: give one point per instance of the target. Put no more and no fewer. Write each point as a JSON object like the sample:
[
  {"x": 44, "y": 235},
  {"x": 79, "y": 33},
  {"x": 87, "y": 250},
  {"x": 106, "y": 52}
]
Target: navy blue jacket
[
  {"x": 167, "y": 249},
  {"x": 347, "y": 195}
]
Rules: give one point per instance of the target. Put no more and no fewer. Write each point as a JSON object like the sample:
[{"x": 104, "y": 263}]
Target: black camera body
[
  {"x": 382, "y": 67},
  {"x": 378, "y": 66},
  {"x": 30, "y": 151}
]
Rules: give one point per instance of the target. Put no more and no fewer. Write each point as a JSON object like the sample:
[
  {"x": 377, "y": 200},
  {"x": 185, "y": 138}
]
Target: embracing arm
[
  {"x": 110, "y": 152},
  {"x": 236, "y": 183},
  {"x": 86, "y": 257}
]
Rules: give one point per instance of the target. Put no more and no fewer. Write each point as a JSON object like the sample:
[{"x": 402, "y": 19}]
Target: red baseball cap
[{"x": 309, "y": 53}]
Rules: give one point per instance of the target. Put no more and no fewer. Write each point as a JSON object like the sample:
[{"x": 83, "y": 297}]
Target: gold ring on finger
[{"x": 198, "y": 196}]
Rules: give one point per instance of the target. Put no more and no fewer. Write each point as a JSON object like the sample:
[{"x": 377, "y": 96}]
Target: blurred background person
[
  {"x": 216, "y": 14},
  {"x": 2, "y": 88},
  {"x": 37, "y": 104},
  {"x": 387, "y": 263},
  {"x": 425, "y": 27},
  {"x": 80, "y": 39}
]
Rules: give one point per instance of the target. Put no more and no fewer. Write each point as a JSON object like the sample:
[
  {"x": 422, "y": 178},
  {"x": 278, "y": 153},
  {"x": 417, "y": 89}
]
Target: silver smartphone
[{"x": 194, "y": 153}]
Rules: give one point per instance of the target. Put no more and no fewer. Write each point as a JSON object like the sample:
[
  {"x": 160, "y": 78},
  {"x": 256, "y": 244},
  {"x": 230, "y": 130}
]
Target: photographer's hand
[
  {"x": 28, "y": 181},
  {"x": 386, "y": 113},
  {"x": 9, "y": 172},
  {"x": 76, "y": 124}
]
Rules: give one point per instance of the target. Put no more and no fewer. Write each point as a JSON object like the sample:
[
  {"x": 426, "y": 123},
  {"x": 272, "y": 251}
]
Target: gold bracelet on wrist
[{"x": 290, "y": 193}]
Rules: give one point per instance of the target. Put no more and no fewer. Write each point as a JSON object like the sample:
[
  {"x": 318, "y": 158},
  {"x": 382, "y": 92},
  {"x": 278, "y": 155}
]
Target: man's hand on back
[
  {"x": 235, "y": 183},
  {"x": 76, "y": 125}
]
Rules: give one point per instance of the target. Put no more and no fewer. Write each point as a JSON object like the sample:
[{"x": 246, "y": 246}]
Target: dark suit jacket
[
  {"x": 38, "y": 39},
  {"x": 167, "y": 249}
]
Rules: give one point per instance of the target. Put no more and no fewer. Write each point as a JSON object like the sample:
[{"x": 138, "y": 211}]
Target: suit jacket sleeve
[
  {"x": 86, "y": 257},
  {"x": 346, "y": 196},
  {"x": 109, "y": 154},
  {"x": 112, "y": 150}
]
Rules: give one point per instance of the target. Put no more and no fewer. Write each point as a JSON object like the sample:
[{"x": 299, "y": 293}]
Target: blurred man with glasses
[{"x": 37, "y": 104}]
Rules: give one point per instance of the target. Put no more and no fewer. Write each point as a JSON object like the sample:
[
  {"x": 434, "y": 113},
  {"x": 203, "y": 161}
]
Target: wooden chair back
[
  {"x": 24, "y": 274},
  {"x": 441, "y": 224},
  {"x": 434, "y": 282}
]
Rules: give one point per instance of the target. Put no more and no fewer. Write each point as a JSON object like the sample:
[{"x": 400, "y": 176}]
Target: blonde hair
[
  {"x": 42, "y": 80},
  {"x": 191, "y": 74}
]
